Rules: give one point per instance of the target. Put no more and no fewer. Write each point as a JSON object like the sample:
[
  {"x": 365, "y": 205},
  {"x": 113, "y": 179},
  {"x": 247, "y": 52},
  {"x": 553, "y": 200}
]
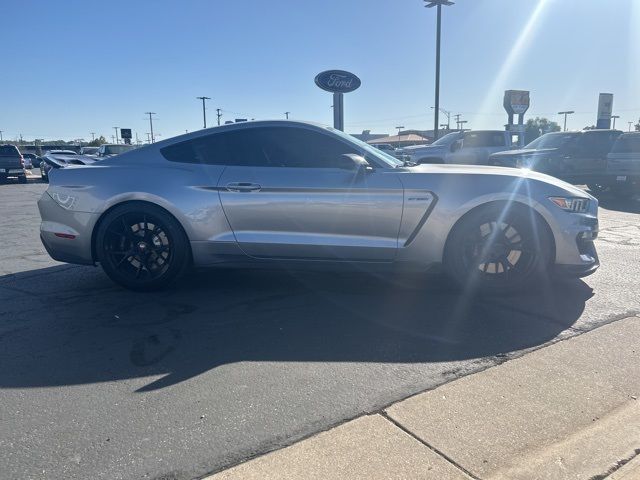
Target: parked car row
[{"x": 604, "y": 160}]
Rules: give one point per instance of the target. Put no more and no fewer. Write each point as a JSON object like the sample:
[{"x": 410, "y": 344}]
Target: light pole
[
  {"x": 568, "y": 112},
  {"x": 399, "y": 128},
  {"x": 614, "y": 121},
  {"x": 436, "y": 109},
  {"x": 116, "y": 129},
  {"x": 630, "y": 124},
  {"x": 204, "y": 112},
  {"x": 0, "y": 135},
  {"x": 151, "y": 124},
  {"x": 286, "y": 114}
]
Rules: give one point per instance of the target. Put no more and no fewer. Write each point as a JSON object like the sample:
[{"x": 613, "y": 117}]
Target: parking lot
[{"x": 100, "y": 382}]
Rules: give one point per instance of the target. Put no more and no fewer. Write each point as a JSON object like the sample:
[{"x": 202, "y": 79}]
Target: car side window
[
  {"x": 483, "y": 139},
  {"x": 301, "y": 148},
  {"x": 262, "y": 147}
]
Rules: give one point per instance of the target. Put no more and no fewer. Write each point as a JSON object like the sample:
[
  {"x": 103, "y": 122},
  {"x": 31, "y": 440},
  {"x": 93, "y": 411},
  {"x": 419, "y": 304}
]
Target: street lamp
[
  {"x": 614, "y": 121},
  {"x": 448, "y": 114},
  {"x": 399, "y": 128},
  {"x": 436, "y": 110},
  {"x": 204, "y": 113},
  {"x": 568, "y": 112},
  {"x": 116, "y": 129}
]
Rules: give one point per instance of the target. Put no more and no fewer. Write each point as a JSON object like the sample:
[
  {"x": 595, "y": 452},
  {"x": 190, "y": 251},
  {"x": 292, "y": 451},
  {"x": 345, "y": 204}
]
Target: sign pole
[
  {"x": 337, "y": 82},
  {"x": 338, "y": 111}
]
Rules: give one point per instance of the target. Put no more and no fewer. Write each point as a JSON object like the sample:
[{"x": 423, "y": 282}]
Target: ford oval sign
[{"x": 337, "y": 81}]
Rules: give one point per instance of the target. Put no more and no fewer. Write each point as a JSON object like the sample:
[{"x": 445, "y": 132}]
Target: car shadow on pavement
[{"x": 69, "y": 325}]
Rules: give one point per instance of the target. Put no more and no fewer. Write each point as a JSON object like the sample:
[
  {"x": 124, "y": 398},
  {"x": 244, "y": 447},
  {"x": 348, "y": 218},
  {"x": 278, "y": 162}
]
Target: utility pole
[
  {"x": 116, "y": 129},
  {"x": 568, "y": 112},
  {"x": 151, "y": 125},
  {"x": 436, "y": 110},
  {"x": 399, "y": 128},
  {"x": 630, "y": 124},
  {"x": 93, "y": 136},
  {"x": 113, "y": 139},
  {"x": 286, "y": 114},
  {"x": 204, "y": 110},
  {"x": 137, "y": 141},
  {"x": 148, "y": 137},
  {"x": 462, "y": 122},
  {"x": 2, "y": 131},
  {"x": 614, "y": 121},
  {"x": 457, "y": 115},
  {"x": 219, "y": 115}
]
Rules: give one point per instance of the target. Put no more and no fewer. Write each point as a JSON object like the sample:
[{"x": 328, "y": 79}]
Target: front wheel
[
  {"x": 498, "y": 248},
  {"x": 142, "y": 247}
]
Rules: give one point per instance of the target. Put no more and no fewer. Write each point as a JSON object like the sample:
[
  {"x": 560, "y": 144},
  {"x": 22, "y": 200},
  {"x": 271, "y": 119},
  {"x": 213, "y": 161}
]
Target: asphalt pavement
[{"x": 99, "y": 382}]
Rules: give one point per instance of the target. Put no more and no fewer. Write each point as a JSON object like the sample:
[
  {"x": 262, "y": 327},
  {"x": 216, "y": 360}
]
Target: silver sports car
[{"x": 282, "y": 193}]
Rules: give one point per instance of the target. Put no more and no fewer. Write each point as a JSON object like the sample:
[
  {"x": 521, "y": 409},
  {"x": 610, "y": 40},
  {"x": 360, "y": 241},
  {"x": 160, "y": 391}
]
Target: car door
[{"x": 287, "y": 195}]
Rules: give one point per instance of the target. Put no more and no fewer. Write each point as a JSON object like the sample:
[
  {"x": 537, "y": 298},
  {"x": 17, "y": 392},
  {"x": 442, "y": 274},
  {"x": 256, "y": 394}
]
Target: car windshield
[
  {"x": 117, "y": 149},
  {"x": 553, "y": 140},
  {"x": 383, "y": 157},
  {"x": 8, "y": 151},
  {"x": 448, "y": 139}
]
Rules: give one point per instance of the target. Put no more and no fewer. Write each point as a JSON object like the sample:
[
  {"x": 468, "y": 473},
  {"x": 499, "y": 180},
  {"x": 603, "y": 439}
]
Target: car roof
[{"x": 240, "y": 125}]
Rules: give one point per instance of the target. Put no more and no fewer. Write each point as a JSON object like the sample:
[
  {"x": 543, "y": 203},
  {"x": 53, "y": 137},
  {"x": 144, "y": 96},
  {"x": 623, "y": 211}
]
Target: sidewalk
[{"x": 567, "y": 411}]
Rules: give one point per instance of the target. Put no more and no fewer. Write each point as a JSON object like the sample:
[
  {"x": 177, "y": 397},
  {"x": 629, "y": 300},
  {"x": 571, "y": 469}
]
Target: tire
[
  {"x": 498, "y": 249},
  {"x": 142, "y": 247},
  {"x": 22, "y": 179}
]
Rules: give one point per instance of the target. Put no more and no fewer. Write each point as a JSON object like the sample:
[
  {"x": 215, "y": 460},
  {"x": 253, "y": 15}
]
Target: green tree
[
  {"x": 539, "y": 126},
  {"x": 97, "y": 142}
]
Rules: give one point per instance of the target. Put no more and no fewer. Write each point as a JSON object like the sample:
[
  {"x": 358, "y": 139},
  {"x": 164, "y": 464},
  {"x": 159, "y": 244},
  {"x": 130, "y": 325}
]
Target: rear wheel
[
  {"x": 142, "y": 247},
  {"x": 498, "y": 248}
]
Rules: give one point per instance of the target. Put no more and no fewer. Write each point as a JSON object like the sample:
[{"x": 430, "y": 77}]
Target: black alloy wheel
[
  {"x": 142, "y": 247},
  {"x": 498, "y": 248}
]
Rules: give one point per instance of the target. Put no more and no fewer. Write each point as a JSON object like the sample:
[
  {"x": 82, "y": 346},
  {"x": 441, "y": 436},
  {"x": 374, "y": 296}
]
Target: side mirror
[
  {"x": 455, "y": 146},
  {"x": 350, "y": 161}
]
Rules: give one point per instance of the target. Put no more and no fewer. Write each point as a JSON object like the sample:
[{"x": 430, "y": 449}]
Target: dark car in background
[
  {"x": 11, "y": 164},
  {"x": 623, "y": 165},
  {"x": 575, "y": 157}
]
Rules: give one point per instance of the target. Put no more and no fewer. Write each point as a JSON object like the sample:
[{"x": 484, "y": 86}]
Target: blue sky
[{"x": 81, "y": 66}]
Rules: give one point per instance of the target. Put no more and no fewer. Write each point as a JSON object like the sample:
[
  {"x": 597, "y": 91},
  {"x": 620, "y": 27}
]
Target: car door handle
[{"x": 242, "y": 187}]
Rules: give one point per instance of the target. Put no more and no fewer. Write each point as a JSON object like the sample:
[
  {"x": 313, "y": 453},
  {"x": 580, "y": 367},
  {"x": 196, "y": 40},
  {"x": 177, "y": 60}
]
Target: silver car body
[{"x": 389, "y": 215}]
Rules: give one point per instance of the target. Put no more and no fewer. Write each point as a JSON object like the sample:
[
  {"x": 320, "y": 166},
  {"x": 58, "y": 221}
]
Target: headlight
[{"x": 571, "y": 204}]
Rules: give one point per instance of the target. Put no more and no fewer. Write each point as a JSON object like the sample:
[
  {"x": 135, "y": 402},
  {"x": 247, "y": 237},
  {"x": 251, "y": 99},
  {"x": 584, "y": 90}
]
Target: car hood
[
  {"x": 524, "y": 152},
  {"x": 484, "y": 171}
]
